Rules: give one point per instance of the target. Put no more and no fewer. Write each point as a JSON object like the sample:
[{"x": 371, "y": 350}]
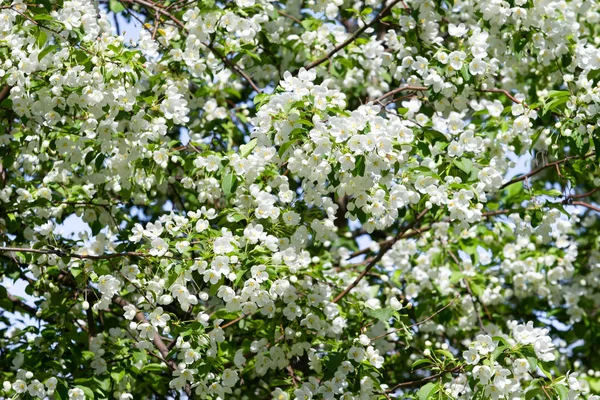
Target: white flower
[
  {"x": 19, "y": 386},
  {"x": 477, "y": 66},
  {"x": 471, "y": 356},
  {"x": 457, "y": 30},
  {"x": 356, "y": 354},
  {"x": 159, "y": 247},
  {"x": 130, "y": 311},
  {"x": 158, "y": 318},
  {"x": 76, "y": 394}
]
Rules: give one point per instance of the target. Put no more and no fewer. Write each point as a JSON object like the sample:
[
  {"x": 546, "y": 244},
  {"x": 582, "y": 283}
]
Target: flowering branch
[
  {"x": 543, "y": 167},
  {"x": 587, "y": 205},
  {"x": 159, "y": 10},
  {"x": 425, "y": 380},
  {"x": 504, "y": 92},
  {"x": 353, "y": 37},
  {"x": 379, "y": 255},
  {"x": 398, "y": 90}
]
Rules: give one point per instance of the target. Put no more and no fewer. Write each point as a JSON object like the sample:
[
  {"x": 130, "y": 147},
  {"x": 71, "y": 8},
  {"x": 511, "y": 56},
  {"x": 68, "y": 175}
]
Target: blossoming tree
[{"x": 300, "y": 199}]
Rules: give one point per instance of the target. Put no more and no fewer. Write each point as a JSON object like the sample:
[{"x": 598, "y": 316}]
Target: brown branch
[
  {"x": 421, "y": 230},
  {"x": 90, "y": 322},
  {"x": 156, "y": 22},
  {"x": 424, "y": 380},
  {"x": 398, "y": 90},
  {"x": 504, "y": 92},
  {"x": 543, "y": 167},
  {"x": 233, "y": 321},
  {"x": 158, "y": 342},
  {"x": 580, "y": 196},
  {"x": 353, "y": 37},
  {"x": 159, "y": 10},
  {"x": 588, "y": 205},
  {"x": 474, "y": 299},
  {"x": 289, "y": 16},
  {"x": 4, "y": 93},
  {"x": 379, "y": 255},
  {"x": 22, "y": 305},
  {"x": 417, "y": 323},
  {"x": 61, "y": 253}
]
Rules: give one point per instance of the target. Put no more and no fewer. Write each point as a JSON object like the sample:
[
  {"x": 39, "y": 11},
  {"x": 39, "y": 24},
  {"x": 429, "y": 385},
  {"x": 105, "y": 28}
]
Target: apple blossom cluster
[{"x": 294, "y": 200}]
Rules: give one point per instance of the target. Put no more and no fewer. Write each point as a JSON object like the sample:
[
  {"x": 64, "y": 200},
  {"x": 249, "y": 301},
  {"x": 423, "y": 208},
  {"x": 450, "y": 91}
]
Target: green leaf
[
  {"x": 117, "y": 375},
  {"x": 41, "y": 39},
  {"x": 555, "y": 99},
  {"x": 446, "y": 354},
  {"x": 427, "y": 391},
  {"x": 422, "y": 361},
  {"x": 464, "y": 164},
  {"x": 260, "y": 99},
  {"x": 383, "y": 314},
  {"x": 531, "y": 394},
  {"x": 366, "y": 11},
  {"x": 359, "y": 169},
  {"x": 247, "y": 148},
  {"x": 153, "y": 367},
  {"x": 334, "y": 360},
  {"x": 228, "y": 184},
  {"x": 498, "y": 351},
  {"x": 115, "y": 6},
  {"x": 89, "y": 157},
  {"x": 99, "y": 161},
  {"x": 89, "y": 393},
  {"x": 562, "y": 391},
  {"x": 596, "y": 140},
  {"x": 284, "y": 147},
  {"x": 46, "y": 4}
]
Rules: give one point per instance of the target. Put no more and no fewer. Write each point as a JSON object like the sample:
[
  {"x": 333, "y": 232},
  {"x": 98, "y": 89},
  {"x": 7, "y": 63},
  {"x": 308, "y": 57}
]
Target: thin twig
[
  {"x": 379, "y": 255},
  {"x": 4, "y": 93},
  {"x": 233, "y": 321},
  {"x": 398, "y": 90},
  {"x": 504, "y": 92},
  {"x": 427, "y": 379},
  {"x": 22, "y": 305},
  {"x": 543, "y": 167},
  {"x": 588, "y": 205},
  {"x": 474, "y": 299},
  {"x": 353, "y": 37},
  {"x": 61, "y": 253},
  {"x": 580, "y": 196},
  {"x": 289, "y": 16},
  {"x": 421, "y": 230},
  {"x": 158, "y": 9},
  {"x": 417, "y": 323}
]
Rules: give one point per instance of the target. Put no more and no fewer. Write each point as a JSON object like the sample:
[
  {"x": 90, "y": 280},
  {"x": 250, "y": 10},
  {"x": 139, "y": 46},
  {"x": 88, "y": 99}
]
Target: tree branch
[
  {"x": 425, "y": 229},
  {"x": 588, "y": 205},
  {"x": 158, "y": 342},
  {"x": 543, "y": 167},
  {"x": 379, "y": 255},
  {"x": 504, "y": 92},
  {"x": 4, "y": 93},
  {"x": 353, "y": 37},
  {"x": 424, "y": 380},
  {"x": 159, "y": 10},
  {"x": 579, "y": 196},
  {"x": 417, "y": 323},
  {"x": 22, "y": 305},
  {"x": 398, "y": 90},
  {"x": 474, "y": 299},
  {"x": 61, "y": 253}
]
